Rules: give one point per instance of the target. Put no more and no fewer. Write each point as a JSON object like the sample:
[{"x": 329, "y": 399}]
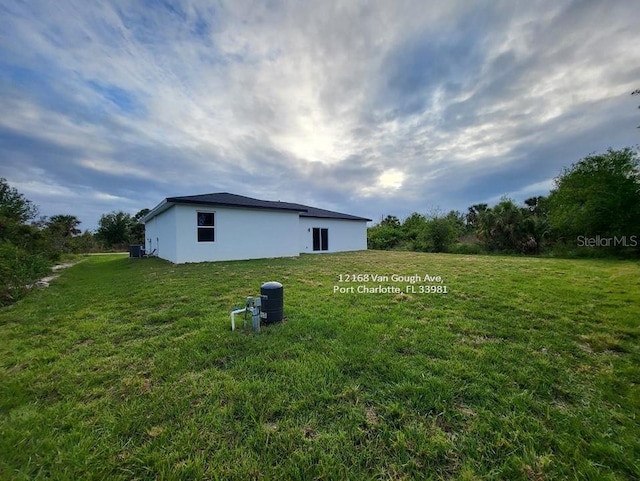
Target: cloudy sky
[{"x": 370, "y": 108}]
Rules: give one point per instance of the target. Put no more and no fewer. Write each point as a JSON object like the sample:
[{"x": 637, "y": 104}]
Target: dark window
[
  {"x": 206, "y": 219},
  {"x": 206, "y": 235},
  {"x": 320, "y": 239},
  {"x": 206, "y": 227}
]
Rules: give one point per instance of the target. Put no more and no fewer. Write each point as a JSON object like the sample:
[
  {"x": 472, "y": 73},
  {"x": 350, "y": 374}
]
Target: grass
[{"x": 127, "y": 369}]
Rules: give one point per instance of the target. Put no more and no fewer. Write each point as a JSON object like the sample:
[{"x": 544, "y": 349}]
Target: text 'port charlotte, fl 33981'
[{"x": 390, "y": 284}]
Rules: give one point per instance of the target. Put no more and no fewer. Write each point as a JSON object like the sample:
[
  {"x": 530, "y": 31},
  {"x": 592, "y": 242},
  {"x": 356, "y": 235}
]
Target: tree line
[
  {"x": 30, "y": 244},
  {"x": 593, "y": 209}
]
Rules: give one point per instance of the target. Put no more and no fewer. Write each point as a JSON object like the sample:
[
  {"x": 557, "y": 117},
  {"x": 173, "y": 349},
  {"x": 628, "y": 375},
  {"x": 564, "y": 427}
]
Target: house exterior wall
[
  {"x": 344, "y": 235},
  {"x": 160, "y": 234},
  {"x": 242, "y": 233},
  {"x": 239, "y": 234}
]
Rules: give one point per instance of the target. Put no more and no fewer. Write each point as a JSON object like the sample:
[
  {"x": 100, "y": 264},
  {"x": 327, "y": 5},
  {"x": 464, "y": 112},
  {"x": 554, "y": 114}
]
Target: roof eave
[
  {"x": 178, "y": 200},
  {"x": 302, "y": 210},
  {"x": 158, "y": 209},
  {"x": 353, "y": 217}
]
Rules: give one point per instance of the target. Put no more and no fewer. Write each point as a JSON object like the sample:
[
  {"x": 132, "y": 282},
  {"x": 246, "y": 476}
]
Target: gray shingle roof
[{"x": 233, "y": 200}]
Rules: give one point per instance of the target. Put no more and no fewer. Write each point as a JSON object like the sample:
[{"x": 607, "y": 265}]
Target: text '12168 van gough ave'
[{"x": 390, "y": 284}]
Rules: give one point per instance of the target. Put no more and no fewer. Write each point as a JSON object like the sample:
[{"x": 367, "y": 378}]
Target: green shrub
[
  {"x": 466, "y": 248},
  {"x": 18, "y": 268},
  {"x": 383, "y": 236}
]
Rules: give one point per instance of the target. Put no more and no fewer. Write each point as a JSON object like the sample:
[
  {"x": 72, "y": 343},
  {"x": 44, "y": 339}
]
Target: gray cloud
[{"x": 369, "y": 108}]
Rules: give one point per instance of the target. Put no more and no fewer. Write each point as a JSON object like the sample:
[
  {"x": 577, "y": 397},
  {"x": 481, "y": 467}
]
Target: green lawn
[{"x": 127, "y": 369}]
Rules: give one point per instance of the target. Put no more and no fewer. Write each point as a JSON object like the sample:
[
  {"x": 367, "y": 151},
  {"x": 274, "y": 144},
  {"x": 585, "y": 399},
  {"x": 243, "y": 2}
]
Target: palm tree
[
  {"x": 61, "y": 229},
  {"x": 64, "y": 225}
]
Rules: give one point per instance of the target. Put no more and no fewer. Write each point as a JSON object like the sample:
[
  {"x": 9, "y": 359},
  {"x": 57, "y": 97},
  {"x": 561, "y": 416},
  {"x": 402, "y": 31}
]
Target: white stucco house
[{"x": 223, "y": 226}]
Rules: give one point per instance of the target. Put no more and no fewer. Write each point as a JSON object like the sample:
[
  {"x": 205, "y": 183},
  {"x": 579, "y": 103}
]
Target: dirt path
[{"x": 44, "y": 282}]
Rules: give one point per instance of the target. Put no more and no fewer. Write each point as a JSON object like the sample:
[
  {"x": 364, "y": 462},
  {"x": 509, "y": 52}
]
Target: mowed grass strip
[{"x": 127, "y": 369}]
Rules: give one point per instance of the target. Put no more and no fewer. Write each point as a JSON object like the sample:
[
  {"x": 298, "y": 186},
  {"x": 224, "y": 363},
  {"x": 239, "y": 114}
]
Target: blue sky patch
[{"x": 120, "y": 98}]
